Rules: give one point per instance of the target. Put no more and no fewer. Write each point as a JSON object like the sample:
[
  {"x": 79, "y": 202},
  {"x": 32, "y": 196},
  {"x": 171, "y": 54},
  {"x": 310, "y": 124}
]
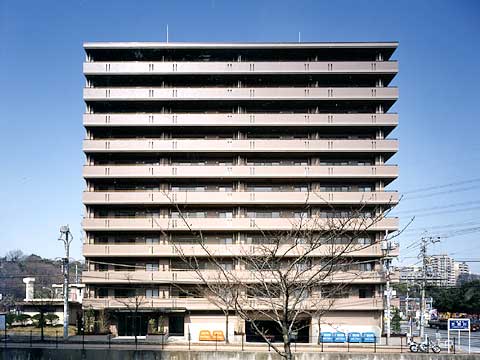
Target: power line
[
  {"x": 474, "y": 202},
  {"x": 442, "y": 186}
]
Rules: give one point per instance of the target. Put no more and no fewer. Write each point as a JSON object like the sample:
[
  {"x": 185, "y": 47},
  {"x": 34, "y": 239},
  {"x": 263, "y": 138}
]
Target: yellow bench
[{"x": 216, "y": 335}]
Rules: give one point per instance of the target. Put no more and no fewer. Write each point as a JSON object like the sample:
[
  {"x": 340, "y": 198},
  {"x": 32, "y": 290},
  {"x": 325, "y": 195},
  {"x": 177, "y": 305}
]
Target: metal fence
[{"x": 33, "y": 339}]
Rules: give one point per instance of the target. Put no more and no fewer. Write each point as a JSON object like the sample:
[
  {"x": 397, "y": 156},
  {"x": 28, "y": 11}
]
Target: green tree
[
  {"x": 465, "y": 298},
  {"x": 395, "y": 323}
]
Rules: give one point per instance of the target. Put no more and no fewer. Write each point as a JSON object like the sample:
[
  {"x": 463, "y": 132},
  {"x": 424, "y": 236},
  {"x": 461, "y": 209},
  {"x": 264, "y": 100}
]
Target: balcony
[
  {"x": 184, "y": 93},
  {"x": 230, "y": 250},
  {"x": 242, "y": 172},
  {"x": 216, "y": 197},
  {"x": 191, "y": 277},
  {"x": 259, "y": 67},
  {"x": 233, "y": 120},
  {"x": 233, "y": 224},
  {"x": 243, "y": 146},
  {"x": 351, "y": 303}
]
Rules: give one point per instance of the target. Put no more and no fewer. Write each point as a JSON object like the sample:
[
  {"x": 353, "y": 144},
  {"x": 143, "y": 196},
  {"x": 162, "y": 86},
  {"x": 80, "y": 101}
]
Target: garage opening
[{"x": 274, "y": 333}]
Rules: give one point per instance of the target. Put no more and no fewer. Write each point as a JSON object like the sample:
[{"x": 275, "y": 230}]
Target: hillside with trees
[{"x": 15, "y": 266}]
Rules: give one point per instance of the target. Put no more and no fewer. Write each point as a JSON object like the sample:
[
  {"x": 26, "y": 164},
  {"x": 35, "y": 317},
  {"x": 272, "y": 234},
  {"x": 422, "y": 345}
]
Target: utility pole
[
  {"x": 66, "y": 237},
  {"x": 386, "y": 247},
  {"x": 425, "y": 240}
]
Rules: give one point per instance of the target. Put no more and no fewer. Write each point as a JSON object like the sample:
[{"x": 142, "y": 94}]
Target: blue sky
[{"x": 41, "y": 103}]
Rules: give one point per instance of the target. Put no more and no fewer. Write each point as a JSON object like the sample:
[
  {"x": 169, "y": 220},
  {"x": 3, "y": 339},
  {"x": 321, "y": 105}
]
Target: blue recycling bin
[
  {"x": 354, "y": 337},
  {"x": 339, "y": 337},
  {"x": 326, "y": 337},
  {"x": 369, "y": 337}
]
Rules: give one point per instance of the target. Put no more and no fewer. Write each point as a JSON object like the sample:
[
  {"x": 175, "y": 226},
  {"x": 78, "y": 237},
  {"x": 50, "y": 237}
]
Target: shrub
[
  {"x": 37, "y": 320},
  {"x": 11, "y": 318},
  {"x": 51, "y": 319},
  {"x": 22, "y": 318}
]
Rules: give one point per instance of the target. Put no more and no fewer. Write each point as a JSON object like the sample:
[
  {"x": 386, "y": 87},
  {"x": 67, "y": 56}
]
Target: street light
[{"x": 67, "y": 238}]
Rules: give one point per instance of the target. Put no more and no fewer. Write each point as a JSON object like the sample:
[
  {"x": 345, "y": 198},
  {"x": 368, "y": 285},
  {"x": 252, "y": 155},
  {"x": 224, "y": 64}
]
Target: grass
[{"x": 47, "y": 330}]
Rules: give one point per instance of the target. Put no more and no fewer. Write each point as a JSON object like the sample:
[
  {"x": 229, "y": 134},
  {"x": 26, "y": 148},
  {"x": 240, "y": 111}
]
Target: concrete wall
[{"x": 52, "y": 354}]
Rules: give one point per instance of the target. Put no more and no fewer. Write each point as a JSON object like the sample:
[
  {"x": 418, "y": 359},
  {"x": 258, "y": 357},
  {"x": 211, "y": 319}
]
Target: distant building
[
  {"x": 461, "y": 269},
  {"x": 32, "y": 305},
  {"x": 410, "y": 273},
  {"x": 442, "y": 270}
]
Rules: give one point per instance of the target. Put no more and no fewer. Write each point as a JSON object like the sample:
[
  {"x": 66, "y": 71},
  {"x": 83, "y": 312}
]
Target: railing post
[
  {"x": 109, "y": 341},
  {"x": 348, "y": 346},
  {"x": 216, "y": 342},
  {"x": 5, "y": 342},
  {"x": 30, "y": 338},
  {"x": 83, "y": 339},
  {"x": 401, "y": 344},
  {"x": 189, "y": 340},
  {"x": 242, "y": 341},
  {"x": 453, "y": 345},
  {"x": 56, "y": 339},
  {"x": 163, "y": 341},
  {"x": 375, "y": 343},
  {"x": 321, "y": 342}
]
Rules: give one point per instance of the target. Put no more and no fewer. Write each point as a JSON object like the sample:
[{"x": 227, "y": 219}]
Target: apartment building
[{"x": 237, "y": 135}]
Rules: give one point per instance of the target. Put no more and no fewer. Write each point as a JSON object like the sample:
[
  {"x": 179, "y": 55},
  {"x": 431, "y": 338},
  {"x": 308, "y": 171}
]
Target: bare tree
[
  {"x": 133, "y": 303},
  {"x": 217, "y": 291},
  {"x": 14, "y": 255},
  {"x": 287, "y": 277}
]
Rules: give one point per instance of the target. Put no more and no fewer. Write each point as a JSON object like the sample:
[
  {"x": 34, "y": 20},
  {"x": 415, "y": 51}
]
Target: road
[{"x": 474, "y": 340}]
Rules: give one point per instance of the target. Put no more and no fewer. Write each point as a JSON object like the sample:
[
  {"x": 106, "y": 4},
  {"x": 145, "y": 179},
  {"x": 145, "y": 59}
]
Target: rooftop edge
[{"x": 237, "y": 45}]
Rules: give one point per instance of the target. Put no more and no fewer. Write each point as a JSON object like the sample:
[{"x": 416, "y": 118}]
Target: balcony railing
[
  {"x": 236, "y": 224},
  {"x": 246, "y": 146},
  {"x": 218, "y": 197},
  {"x": 142, "y": 250},
  {"x": 192, "y": 277},
  {"x": 239, "y": 172},
  {"x": 229, "y": 119},
  {"x": 184, "y": 93},
  {"x": 259, "y": 67},
  {"x": 350, "y": 303}
]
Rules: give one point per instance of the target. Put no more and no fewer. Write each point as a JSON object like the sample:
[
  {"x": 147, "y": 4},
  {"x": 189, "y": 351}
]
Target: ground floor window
[{"x": 176, "y": 325}]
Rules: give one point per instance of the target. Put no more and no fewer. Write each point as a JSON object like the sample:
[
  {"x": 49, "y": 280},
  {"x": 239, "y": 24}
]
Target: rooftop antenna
[
  {"x": 167, "y": 33},
  {"x": 299, "y": 36}
]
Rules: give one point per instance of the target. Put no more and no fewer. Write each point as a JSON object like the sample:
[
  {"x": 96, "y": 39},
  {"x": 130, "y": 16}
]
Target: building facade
[{"x": 238, "y": 136}]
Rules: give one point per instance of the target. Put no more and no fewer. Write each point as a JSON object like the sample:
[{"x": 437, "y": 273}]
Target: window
[
  {"x": 102, "y": 267},
  {"x": 366, "y": 267},
  {"x": 151, "y": 240},
  {"x": 102, "y": 293},
  {"x": 365, "y": 188},
  {"x": 124, "y": 293},
  {"x": 364, "y": 240},
  {"x": 151, "y": 267},
  {"x": 364, "y": 293},
  {"x": 176, "y": 325},
  {"x": 152, "y": 293}
]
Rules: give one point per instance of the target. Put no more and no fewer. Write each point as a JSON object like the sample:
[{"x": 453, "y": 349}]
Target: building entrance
[{"x": 132, "y": 324}]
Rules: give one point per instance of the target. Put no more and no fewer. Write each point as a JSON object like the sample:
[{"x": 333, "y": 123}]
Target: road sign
[{"x": 459, "y": 324}]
